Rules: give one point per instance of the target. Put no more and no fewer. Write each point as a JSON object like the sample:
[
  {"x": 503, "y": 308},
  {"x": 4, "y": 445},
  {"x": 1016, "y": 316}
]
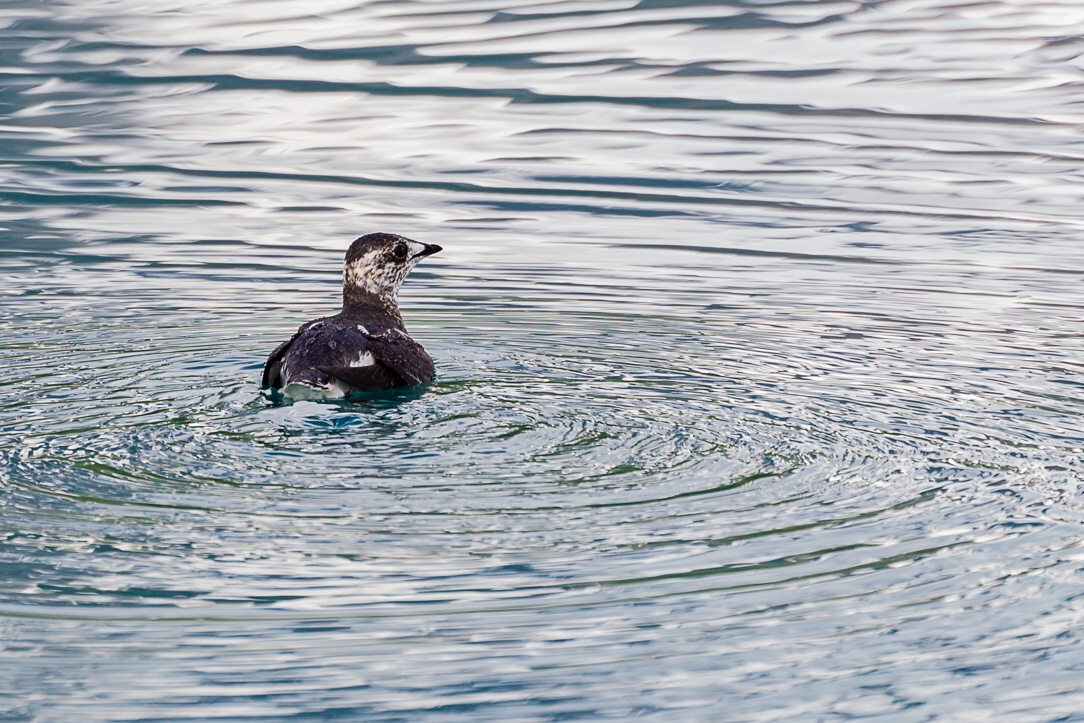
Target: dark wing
[
  {"x": 404, "y": 356},
  {"x": 271, "y": 369},
  {"x": 371, "y": 378},
  {"x": 273, "y": 366},
  {"x": 399, "y": 361}
]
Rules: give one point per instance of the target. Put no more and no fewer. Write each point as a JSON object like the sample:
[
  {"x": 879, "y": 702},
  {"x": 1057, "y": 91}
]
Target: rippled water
[{"x": 758, "y": 332}]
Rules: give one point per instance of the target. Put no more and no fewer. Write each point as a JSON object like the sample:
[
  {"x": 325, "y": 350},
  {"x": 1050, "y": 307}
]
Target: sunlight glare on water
[{"x": 757, "y": 329}]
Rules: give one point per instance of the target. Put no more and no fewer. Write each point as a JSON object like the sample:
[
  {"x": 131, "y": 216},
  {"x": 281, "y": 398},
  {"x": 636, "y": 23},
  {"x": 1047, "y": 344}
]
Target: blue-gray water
[{"x": 759, "y": 336}]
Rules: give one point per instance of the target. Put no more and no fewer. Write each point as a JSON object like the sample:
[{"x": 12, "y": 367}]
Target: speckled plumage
[{"x": 365, "y": 346}]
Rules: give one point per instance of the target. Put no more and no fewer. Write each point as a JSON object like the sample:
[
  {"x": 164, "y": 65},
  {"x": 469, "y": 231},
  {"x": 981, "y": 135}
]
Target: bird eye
[{"x": 399, "y": 252}]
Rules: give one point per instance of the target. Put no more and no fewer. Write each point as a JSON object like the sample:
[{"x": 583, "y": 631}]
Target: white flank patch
[{"x": 364, "y": 360}]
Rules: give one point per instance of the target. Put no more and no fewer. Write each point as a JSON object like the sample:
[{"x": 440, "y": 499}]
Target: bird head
[{"x": 377, "y": 264}]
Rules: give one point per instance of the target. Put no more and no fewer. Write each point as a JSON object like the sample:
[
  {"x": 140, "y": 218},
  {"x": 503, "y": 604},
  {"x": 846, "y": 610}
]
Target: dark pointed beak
[{"x": 429, "y": 250}]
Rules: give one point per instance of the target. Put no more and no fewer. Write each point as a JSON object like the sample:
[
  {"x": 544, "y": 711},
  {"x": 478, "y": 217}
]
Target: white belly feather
[{"x": 299, "y": 391}]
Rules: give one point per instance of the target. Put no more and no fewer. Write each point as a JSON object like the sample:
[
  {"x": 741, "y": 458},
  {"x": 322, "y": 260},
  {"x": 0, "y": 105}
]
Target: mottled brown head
[{"x": 377, "y": 264}]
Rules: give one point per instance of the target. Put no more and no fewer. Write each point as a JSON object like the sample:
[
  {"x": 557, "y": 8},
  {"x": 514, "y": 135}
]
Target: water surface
[{"x": 758, "y": 337}]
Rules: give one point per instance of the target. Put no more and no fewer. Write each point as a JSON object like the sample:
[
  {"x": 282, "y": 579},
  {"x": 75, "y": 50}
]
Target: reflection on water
[{"x": 757, "y": 330}]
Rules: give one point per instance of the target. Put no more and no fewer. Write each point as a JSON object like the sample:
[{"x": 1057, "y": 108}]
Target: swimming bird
[{"x": 365, "y": 346}]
